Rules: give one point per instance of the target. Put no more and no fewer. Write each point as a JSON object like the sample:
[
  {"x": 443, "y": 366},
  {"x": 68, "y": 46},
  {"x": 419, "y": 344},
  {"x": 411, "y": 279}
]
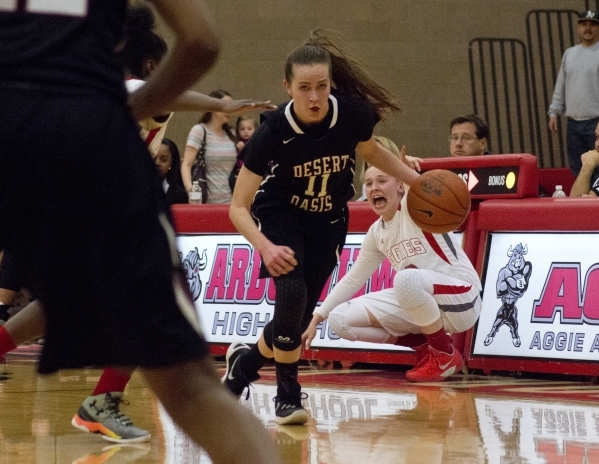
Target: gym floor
[{"x": 360, "y": 414}]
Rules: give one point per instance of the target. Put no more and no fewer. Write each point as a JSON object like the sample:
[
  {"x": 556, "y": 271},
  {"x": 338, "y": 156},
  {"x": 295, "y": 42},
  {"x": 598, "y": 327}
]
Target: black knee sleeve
[
  {"x": 290, "y": 304},
  {"x": 286, "y": 338},
  {"x": 267, "y": 335}
]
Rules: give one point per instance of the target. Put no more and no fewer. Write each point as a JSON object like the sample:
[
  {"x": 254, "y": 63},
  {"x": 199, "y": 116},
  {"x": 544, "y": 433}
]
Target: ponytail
[{"x": 347, "y": 73}]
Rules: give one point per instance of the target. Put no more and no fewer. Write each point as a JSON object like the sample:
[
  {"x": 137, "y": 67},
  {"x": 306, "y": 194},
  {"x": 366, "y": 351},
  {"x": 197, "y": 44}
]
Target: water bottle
[
  {"x": 195, "y": 194},
  {"x": 559, "y": 193}
]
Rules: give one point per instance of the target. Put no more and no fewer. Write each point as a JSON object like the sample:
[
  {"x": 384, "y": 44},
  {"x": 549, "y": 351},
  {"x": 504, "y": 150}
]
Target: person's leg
[
  {"x": 296, "y": 296},
  {"x": 103, "y": 272},
  {"x": 290, "y": 304},
  {"x": 580, "y": 138},
  {"x": 27, "y": 324},
  {"x": 414, "y": 291},
  {"x": 377, "y": 318},
  {"x": 100, "y": 412},
  {"x": 195, "y": 399},
  {"x": 300, "y": 292},
  {"x": 281, "y": 338},
  {"x": 352, "y": 321},
  {"x": 244, "y": 362},
  {"x": 10, "y": 284}
]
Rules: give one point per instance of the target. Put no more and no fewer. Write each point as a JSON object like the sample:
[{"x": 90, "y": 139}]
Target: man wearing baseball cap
[{"x": 576, "y": 92}]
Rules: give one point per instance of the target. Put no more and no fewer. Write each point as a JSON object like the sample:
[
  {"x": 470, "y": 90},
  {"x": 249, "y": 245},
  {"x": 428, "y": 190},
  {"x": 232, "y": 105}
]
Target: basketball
[{"x": 438, "y": 201}]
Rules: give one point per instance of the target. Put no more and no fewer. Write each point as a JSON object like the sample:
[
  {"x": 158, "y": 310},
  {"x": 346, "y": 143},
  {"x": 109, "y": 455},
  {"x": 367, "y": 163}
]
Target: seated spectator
[
  {"x": 168, "y": 162},
  {"x": 469, "y": 136},
  {"x": 587, "y": 181}
]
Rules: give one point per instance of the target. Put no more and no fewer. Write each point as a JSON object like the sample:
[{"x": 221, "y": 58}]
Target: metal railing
[
  {"x": 512, "y": 84},
  {"x": 501, "y": 93}
]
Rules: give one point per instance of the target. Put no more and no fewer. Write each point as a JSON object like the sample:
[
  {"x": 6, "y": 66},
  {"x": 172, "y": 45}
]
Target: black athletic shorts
[
  {"x": 316, "y": 239},
  {"x": 82, "y": 209}
]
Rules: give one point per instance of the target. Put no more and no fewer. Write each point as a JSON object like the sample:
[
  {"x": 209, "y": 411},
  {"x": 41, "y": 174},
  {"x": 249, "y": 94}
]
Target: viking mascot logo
[
  {"x": 512, "y": 282},
  {"x": 192, "y": 265}
]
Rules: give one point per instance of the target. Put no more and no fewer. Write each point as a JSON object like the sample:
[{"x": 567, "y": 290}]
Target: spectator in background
[
  {"x": 168, "y": 162},
  {"x": 587, "y": 181},
  {"x": 244, "y": 129},
  {"x": 469, "y": 136},
  {"x": 220, "y": 155},
  {"x": 576, "y": 91}
]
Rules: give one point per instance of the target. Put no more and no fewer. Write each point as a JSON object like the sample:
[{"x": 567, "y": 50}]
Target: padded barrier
[
  {"x": 513, "y": 210},
  {"x": 539, "y": 214},
  {"x": 550, "y": 177},
  {"x": 533, "y": 215},
  {"x": 484, "y": 167}
]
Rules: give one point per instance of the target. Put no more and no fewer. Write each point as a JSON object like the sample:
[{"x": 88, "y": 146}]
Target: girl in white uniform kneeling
[{"x": 436, "y": 290}]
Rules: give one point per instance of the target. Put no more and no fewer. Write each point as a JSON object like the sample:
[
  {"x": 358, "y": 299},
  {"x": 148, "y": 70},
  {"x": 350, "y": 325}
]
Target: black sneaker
[
  {"x": 289, "y": 411},
  {"x": 234, "y": 379}
]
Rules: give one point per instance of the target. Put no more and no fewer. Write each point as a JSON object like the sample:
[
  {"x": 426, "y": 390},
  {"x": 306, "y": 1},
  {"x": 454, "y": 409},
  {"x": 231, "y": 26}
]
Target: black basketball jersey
[
  {"x": 309, "y": 168},
  {"x": 63, "y": 46}
]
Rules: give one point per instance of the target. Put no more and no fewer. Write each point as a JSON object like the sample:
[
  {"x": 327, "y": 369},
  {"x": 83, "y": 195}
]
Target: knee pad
[
  {"x": 290, "y": 302},
  {"x": 409, "y": 289},
  {"x": 339, "y": 325},
  {"x": 414, "y": 293},
  {"x": 286, "y": 338},
  {"x": 267, "y": 335}
]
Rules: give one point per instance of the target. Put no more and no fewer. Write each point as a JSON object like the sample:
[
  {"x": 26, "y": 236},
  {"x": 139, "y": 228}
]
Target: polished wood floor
[{"x": 361, "y": 416}]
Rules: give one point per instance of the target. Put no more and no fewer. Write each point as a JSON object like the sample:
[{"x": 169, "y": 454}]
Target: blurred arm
[{"x": 195, "y": 51}]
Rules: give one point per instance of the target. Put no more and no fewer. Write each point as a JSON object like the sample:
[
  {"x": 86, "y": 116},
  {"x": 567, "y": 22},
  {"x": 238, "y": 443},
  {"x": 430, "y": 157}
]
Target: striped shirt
[{"x": 221, "y": 155}]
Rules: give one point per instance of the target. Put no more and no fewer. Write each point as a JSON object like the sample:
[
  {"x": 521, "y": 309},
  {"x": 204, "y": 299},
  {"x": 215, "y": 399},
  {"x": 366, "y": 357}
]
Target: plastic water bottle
[
  {"x": 195, "y": 194},
  {"x": 559, "y": 193}
]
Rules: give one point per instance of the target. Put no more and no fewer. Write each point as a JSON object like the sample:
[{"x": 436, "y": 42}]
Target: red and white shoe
[
  {"x": 436, "y": 366},
  {"x": 421, "y": 353}
]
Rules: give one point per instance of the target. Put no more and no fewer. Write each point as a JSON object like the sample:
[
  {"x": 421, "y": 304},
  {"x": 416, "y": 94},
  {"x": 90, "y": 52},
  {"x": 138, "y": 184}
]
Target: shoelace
[
  {"x": 248, "y": 386},
  {"x": 112, "y": 406},
  {"x": 303, "y": 396}
]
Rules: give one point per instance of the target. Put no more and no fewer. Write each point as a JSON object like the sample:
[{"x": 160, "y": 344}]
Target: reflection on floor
[{"x": 358, "y": 416}]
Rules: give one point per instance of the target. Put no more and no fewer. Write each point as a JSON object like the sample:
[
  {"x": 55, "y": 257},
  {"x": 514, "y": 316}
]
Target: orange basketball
[{"x": 438, "y": 201}]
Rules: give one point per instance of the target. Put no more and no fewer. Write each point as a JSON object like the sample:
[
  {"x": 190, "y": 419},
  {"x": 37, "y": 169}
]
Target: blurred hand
[
  {"x": 279, "y": 260},
  {"x": 242, "y": 106},
  {"x": 590, "y": 158},
  {"x": 412, "y": 161},
  {"x": 308, "y": 336}
]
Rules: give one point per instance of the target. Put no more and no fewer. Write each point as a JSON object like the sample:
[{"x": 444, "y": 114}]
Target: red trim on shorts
[
  {"x": 437, "y": 249},
  {"x": 442, "y": 289},
  {"x": 151, "y": 136}
]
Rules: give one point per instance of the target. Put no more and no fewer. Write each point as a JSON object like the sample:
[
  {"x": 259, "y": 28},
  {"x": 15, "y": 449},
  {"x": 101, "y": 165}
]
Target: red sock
[
  {"x": 6, "y": 342},
  {"x": 111, "y": 381},
  {"x": 411, "y": 340},
  {"x": 440, "y": 341}
]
